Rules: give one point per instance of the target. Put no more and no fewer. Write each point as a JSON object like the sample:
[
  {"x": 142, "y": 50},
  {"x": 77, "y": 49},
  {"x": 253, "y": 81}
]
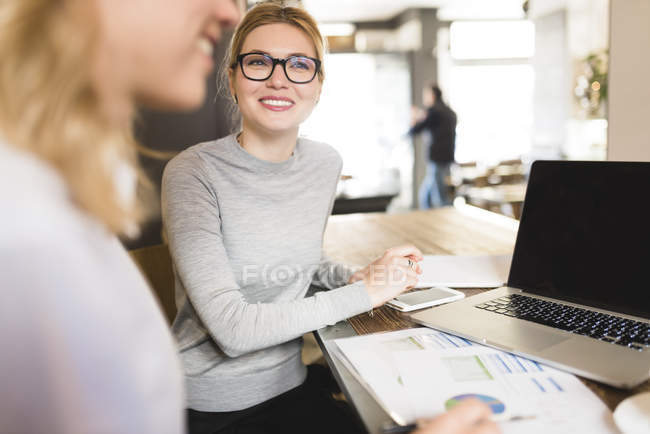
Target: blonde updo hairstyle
[
  {"x": 274, "y": 13},
  {"x": 50, "y": 107}
]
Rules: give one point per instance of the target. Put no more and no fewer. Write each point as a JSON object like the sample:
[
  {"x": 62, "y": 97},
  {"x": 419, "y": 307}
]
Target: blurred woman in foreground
[{"x": 85, "y": 348}]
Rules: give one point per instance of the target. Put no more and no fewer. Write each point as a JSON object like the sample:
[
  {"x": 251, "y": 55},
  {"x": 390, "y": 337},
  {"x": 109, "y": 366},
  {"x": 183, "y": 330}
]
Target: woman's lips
[{"x": 276, "y": 104}]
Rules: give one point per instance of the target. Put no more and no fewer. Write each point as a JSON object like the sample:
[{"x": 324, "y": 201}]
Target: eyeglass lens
[{"x": 259, "y": 67}]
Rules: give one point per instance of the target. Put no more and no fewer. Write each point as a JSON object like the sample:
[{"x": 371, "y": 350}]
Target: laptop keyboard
[{"x": 608, "y": 328}]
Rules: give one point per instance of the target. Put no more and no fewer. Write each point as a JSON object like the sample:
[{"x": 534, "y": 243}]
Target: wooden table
[{"x": 360, "y": 238}]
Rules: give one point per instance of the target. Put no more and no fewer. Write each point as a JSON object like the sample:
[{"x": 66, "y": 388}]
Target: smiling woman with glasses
[
  {"x": 245, "y": 217},
  {"x": 260, "y": 66}
]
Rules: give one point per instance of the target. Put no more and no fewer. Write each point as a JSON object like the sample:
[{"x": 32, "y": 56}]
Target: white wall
[
  {"x": 629, "y": 81},
  {"x": 566, "y": 32}
]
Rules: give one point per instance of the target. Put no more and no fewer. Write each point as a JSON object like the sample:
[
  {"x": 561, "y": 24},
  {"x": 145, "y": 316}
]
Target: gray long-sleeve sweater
[{"x": 245, "y": 237}]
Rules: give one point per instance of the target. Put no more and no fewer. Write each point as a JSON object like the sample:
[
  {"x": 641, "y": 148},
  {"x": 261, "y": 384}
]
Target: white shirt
[{"x": 84, "y": 347}]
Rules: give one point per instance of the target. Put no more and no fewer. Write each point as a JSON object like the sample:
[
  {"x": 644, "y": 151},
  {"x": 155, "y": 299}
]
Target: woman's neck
[{"x": 269, "y": 147}]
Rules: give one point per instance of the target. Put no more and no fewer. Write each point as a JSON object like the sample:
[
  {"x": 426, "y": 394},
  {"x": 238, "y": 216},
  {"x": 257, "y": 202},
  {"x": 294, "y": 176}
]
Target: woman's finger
[
  {"x": 486, "y": 426},
  {"x": 407, "y": 263},
  {"x": 471, "y": 411},
  {"x": 406, "y": 250},
  {"x": 418, "y": 257},
  {"x": 465, "y": 418}
]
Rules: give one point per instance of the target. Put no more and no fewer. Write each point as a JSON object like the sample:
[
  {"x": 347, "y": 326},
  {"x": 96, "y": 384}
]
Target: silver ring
[{"x": 410, "y": 263}]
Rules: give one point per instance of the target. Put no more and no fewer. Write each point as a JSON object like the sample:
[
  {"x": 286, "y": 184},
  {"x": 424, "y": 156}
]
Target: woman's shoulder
[
  {"x": 192, "y": 159},
  {"x": 22, "y": 172},
  {"x": 217, "y": 147},
  {"x": 319, "y": 150},
  {"x": 34, "y": 195}
]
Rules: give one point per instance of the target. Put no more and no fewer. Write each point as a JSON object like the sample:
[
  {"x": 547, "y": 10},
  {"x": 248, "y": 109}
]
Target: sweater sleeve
[
  {"x": 192, "y": 221},
  {"x": 331, "y": 274}
]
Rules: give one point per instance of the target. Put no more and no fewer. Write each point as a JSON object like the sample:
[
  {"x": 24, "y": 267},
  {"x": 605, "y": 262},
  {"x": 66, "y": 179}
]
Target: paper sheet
[
  {"x": 419, "y": 373},
  {"x": 485, "y": 271}
]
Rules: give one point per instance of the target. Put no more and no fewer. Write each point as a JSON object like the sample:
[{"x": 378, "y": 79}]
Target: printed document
[
  {"x": 421, "y": 372},
  {"x": 484, "y": 271}
]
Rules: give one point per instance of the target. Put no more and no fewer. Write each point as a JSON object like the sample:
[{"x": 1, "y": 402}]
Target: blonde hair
[
  {"x": 274, "y": 13},
  {"x": 49, "y": 106}
]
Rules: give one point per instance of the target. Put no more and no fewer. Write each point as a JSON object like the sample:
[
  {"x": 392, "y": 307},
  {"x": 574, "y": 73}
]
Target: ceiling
[{"x": 378, "y": 10}]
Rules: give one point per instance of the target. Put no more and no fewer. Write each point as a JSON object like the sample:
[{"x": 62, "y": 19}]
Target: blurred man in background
[{"x": 440, "y": 121}]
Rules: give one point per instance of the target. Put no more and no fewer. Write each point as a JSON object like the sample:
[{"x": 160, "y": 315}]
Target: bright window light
[
  {"x": 494, "y": 104},
  {"x": 492, "y": 39},
  {"x": 337, "y": 29}
]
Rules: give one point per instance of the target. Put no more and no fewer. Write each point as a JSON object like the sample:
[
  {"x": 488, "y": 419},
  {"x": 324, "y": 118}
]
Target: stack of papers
[
  {"x": 484, "y": 271},
  {"x": 420, "y": 373}
]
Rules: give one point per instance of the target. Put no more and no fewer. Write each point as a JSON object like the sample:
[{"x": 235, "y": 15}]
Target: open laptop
[{"x": 578, "y": 292}]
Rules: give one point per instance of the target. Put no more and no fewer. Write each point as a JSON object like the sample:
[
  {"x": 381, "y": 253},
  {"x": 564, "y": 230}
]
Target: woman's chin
[{"x": 182, "y": 100}]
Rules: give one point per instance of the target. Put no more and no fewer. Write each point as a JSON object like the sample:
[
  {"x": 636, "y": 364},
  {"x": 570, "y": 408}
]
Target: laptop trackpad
[{"x": 521, "y": 337}]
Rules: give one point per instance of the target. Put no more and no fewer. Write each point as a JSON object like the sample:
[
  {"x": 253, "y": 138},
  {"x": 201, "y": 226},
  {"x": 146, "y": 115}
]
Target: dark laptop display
[
  {"x": 583, "y": 246},
  {"x": 584, "y": 235}
]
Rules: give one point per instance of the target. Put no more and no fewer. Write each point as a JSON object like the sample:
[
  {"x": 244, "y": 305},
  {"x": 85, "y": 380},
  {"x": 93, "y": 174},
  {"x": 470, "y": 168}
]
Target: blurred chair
[
  {"x": 513, "y": 162},
  {"x": 500, "y": 188},
  {"x": 156, "y": 265},
  {"x": 508, "y": 172}
]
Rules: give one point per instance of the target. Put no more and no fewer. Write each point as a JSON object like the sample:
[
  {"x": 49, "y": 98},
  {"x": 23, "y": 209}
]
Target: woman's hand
[
  {"x": 469, "y": 417},
  {"x": 393, "y": 273}
]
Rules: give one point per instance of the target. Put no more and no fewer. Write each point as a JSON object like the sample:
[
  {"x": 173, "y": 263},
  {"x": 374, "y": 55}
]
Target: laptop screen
[{"x": 584, "y": 235}]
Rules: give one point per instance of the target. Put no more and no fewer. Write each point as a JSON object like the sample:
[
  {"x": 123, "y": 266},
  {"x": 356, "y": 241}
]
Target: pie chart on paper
[{"x": 496, "y": 406}]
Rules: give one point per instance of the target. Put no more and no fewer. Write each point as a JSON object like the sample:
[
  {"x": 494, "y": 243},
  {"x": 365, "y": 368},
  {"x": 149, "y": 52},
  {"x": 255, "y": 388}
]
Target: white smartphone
[{"x": 425, "y": 298}]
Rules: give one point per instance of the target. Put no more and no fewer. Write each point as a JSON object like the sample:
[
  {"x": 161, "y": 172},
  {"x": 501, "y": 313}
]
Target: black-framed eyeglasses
[{"x": 259, "y": 67}]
